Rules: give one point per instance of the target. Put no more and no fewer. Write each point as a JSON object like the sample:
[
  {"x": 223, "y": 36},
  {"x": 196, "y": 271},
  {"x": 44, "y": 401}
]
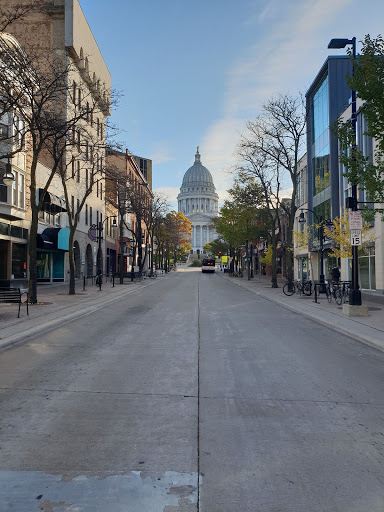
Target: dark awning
[
  {"x": 53, "y": 239},
  {"x": 52, "y": 203}
]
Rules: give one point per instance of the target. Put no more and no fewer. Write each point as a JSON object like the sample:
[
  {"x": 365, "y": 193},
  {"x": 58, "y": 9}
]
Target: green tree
[
  {"x": 368, "y": 81},
  {"x": 217, "y": 245}
]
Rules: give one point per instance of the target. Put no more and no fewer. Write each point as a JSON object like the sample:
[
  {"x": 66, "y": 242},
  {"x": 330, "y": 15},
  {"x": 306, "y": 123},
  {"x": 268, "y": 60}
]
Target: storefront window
[
  {"x": 19, "y": 261},
  {"x": 367, "y": 268},
  {"x": 43, "y": 262}
]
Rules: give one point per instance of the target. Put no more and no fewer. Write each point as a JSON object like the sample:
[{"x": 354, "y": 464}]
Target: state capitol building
[{"x": 199, "y": 202}]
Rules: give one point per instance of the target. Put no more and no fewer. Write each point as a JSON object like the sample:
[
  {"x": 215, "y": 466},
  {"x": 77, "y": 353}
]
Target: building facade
[
  {"x": 59, "y": 30},
  {"x": 198, "y": 201}
]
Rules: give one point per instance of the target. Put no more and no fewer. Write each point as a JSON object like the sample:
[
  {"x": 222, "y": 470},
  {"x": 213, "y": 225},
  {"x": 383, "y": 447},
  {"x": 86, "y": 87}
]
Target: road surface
[{"x": 192, "y": 395}]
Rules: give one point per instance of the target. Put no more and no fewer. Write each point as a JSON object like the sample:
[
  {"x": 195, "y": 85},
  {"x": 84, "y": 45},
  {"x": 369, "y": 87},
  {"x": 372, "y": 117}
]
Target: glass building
[{"x": 326, "y": 99}]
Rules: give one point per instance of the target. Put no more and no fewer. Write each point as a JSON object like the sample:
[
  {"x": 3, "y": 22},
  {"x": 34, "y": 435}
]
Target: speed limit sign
[{"x": 355, "y": 236}]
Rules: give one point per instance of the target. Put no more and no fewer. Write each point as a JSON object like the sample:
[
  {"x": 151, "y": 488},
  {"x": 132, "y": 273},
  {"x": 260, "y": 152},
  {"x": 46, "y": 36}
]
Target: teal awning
[
  {"x": 52, "y": 239},
  {"x": 63, "y": 239}
]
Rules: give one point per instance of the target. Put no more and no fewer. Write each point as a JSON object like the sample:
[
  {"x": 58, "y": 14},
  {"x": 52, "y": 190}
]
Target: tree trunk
[
  {"x": 274, "y": 262},
  {"x": 72, "y": 290},
  {"x": 121, "y": 250},
  {"x": 32, "y": 286}
]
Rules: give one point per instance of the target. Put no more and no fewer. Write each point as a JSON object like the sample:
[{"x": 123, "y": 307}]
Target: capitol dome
[
  {"x": 197, "y": 174},
  {"x": 199, "y": 202}
]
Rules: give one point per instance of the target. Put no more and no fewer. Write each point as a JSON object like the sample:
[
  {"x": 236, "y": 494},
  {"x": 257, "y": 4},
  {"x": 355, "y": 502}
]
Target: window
[
  {"x": 97, "y": 188},
  {"x": 97, "y": 217},
  {"x": 87, "y": 117},
  {"x": 78, "y": 207},
  {"x": 78, "y": 172},
  {"x": 86, "y": 215},
  {"x": 86, "y": 150},
  {"x": 86, "y": 179},
  {"x": 74, "y": 93},
  {"x": 78, "y": 141},
  {"x": 79, "y": 97},
  {"x": 73, "y": 168},
  {"x": 14, "y": 189},
  {"x": 73, "y": 206},
  {"x": 3, "y": 131},
  {"x": 3, "y": 187},
  {"x": 98, "y": 127},
  {"x": 21, "y": 190},
  {"x": 90, "y": 215},
  {"x": 101, "y": 191}
]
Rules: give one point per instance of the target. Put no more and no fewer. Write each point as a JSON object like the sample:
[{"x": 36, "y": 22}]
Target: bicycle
[
  {"x": 334, "y": 290},
  {"x": 345, "y": 288},
  {"x": 302, "y": 287}
]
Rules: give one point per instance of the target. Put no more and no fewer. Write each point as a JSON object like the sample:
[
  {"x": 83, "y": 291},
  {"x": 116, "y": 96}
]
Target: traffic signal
[{"x": 219, "y": 254}]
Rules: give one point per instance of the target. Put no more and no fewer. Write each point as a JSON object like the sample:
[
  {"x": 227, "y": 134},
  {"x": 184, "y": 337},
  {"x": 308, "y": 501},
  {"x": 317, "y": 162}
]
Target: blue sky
[{"x": 192, "y": 72}]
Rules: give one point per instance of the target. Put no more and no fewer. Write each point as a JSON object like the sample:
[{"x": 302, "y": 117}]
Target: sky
[{"x": 191, "y": 73}]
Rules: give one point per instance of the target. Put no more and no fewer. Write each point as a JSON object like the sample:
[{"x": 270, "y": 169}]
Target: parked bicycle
[
  {"x": 302, "y": 287},
  {"x": 333, "y": 290}
]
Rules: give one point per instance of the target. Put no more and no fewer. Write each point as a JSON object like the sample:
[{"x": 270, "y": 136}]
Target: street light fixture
[
  {"x": 8, "y": 177},
  {"x": 355, "y": 293}
]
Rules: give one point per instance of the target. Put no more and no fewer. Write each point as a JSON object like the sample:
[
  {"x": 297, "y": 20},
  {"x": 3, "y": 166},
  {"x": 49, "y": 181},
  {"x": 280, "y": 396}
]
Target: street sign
[
  {"x": 355, "y": 236},
  {"x": 355, "y": 221}
]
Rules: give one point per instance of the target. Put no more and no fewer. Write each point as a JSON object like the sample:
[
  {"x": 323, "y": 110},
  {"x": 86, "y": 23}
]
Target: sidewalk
[
  {"x": 55, "y": 307},
  {"x": 369, "y": 329}
]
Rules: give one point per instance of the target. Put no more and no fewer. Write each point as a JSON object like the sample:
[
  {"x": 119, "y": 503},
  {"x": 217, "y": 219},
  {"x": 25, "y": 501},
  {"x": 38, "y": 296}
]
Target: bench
[{"x": 13, "y": 295}]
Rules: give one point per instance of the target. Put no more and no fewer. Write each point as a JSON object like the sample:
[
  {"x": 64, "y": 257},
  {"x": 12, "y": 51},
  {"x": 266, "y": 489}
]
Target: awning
[
  {"x": 52, "y": 203},
  {"x": 53, "y": 239}
]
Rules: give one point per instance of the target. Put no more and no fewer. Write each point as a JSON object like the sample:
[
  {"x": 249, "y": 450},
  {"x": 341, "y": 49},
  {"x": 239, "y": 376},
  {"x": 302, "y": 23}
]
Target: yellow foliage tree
[
  {"x": 340, "y": 234},
  {"x": 267, "y": 260}
]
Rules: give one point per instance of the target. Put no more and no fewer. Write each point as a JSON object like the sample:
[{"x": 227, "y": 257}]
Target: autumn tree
[{"x": 339, "y": 233}]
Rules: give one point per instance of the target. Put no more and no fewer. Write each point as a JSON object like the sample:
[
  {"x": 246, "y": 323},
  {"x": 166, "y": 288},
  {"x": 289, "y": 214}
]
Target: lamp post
[
  {"x": 251, "y": 259},
  {"x": 321, "y": 241},
  {"x": 355, "y": 293},
  {"x": 100, "y": 231}
]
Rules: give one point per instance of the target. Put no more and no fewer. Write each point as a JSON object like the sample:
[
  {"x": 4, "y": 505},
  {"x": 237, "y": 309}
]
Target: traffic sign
[
  {"x": 355, "y": 221},
  {"x": 355, "y": 236}
]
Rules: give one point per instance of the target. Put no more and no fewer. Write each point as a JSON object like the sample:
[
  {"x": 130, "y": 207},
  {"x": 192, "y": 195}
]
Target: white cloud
[
  {"x": 169, "y": 193},
  {"x": 161, "y": 154},
  {"x": 278, "y": 62}
]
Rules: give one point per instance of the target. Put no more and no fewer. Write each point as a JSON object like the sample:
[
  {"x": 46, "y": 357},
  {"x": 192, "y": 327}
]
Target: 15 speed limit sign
[{"x": 355, "y": 236}]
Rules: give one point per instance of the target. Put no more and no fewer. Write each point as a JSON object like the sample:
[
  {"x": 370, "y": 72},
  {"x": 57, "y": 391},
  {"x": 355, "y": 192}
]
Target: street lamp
[
  {"x": 321, "y": 223},
  {"x": 8, "y": 177},
  {"x": 354, "y": 293}
]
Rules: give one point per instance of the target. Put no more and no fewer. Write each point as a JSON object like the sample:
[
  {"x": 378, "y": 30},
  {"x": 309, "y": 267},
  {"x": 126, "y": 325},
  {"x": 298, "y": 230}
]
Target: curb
[
  {"x": 366, "y": 338},
  {"x": 20, "y": 337}
]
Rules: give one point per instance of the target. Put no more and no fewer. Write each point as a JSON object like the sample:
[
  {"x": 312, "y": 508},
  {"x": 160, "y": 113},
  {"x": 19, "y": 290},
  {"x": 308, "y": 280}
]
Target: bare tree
[
  {"x": 274, "y": 143},
  {"x": 38, "y": 91}
]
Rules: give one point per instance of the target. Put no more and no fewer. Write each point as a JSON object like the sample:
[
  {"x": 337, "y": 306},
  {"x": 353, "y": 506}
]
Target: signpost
[{"x": 355, "y": 227}]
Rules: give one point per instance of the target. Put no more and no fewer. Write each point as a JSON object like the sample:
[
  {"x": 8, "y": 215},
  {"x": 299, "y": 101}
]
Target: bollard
[
  {"x": 316, "y": 293},
  {"x": 113, "y": 281},
  {"x": 84, "y": 284}
]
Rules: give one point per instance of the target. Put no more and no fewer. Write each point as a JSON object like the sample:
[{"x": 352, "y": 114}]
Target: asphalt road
[{"x": 192, "y": 395}]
